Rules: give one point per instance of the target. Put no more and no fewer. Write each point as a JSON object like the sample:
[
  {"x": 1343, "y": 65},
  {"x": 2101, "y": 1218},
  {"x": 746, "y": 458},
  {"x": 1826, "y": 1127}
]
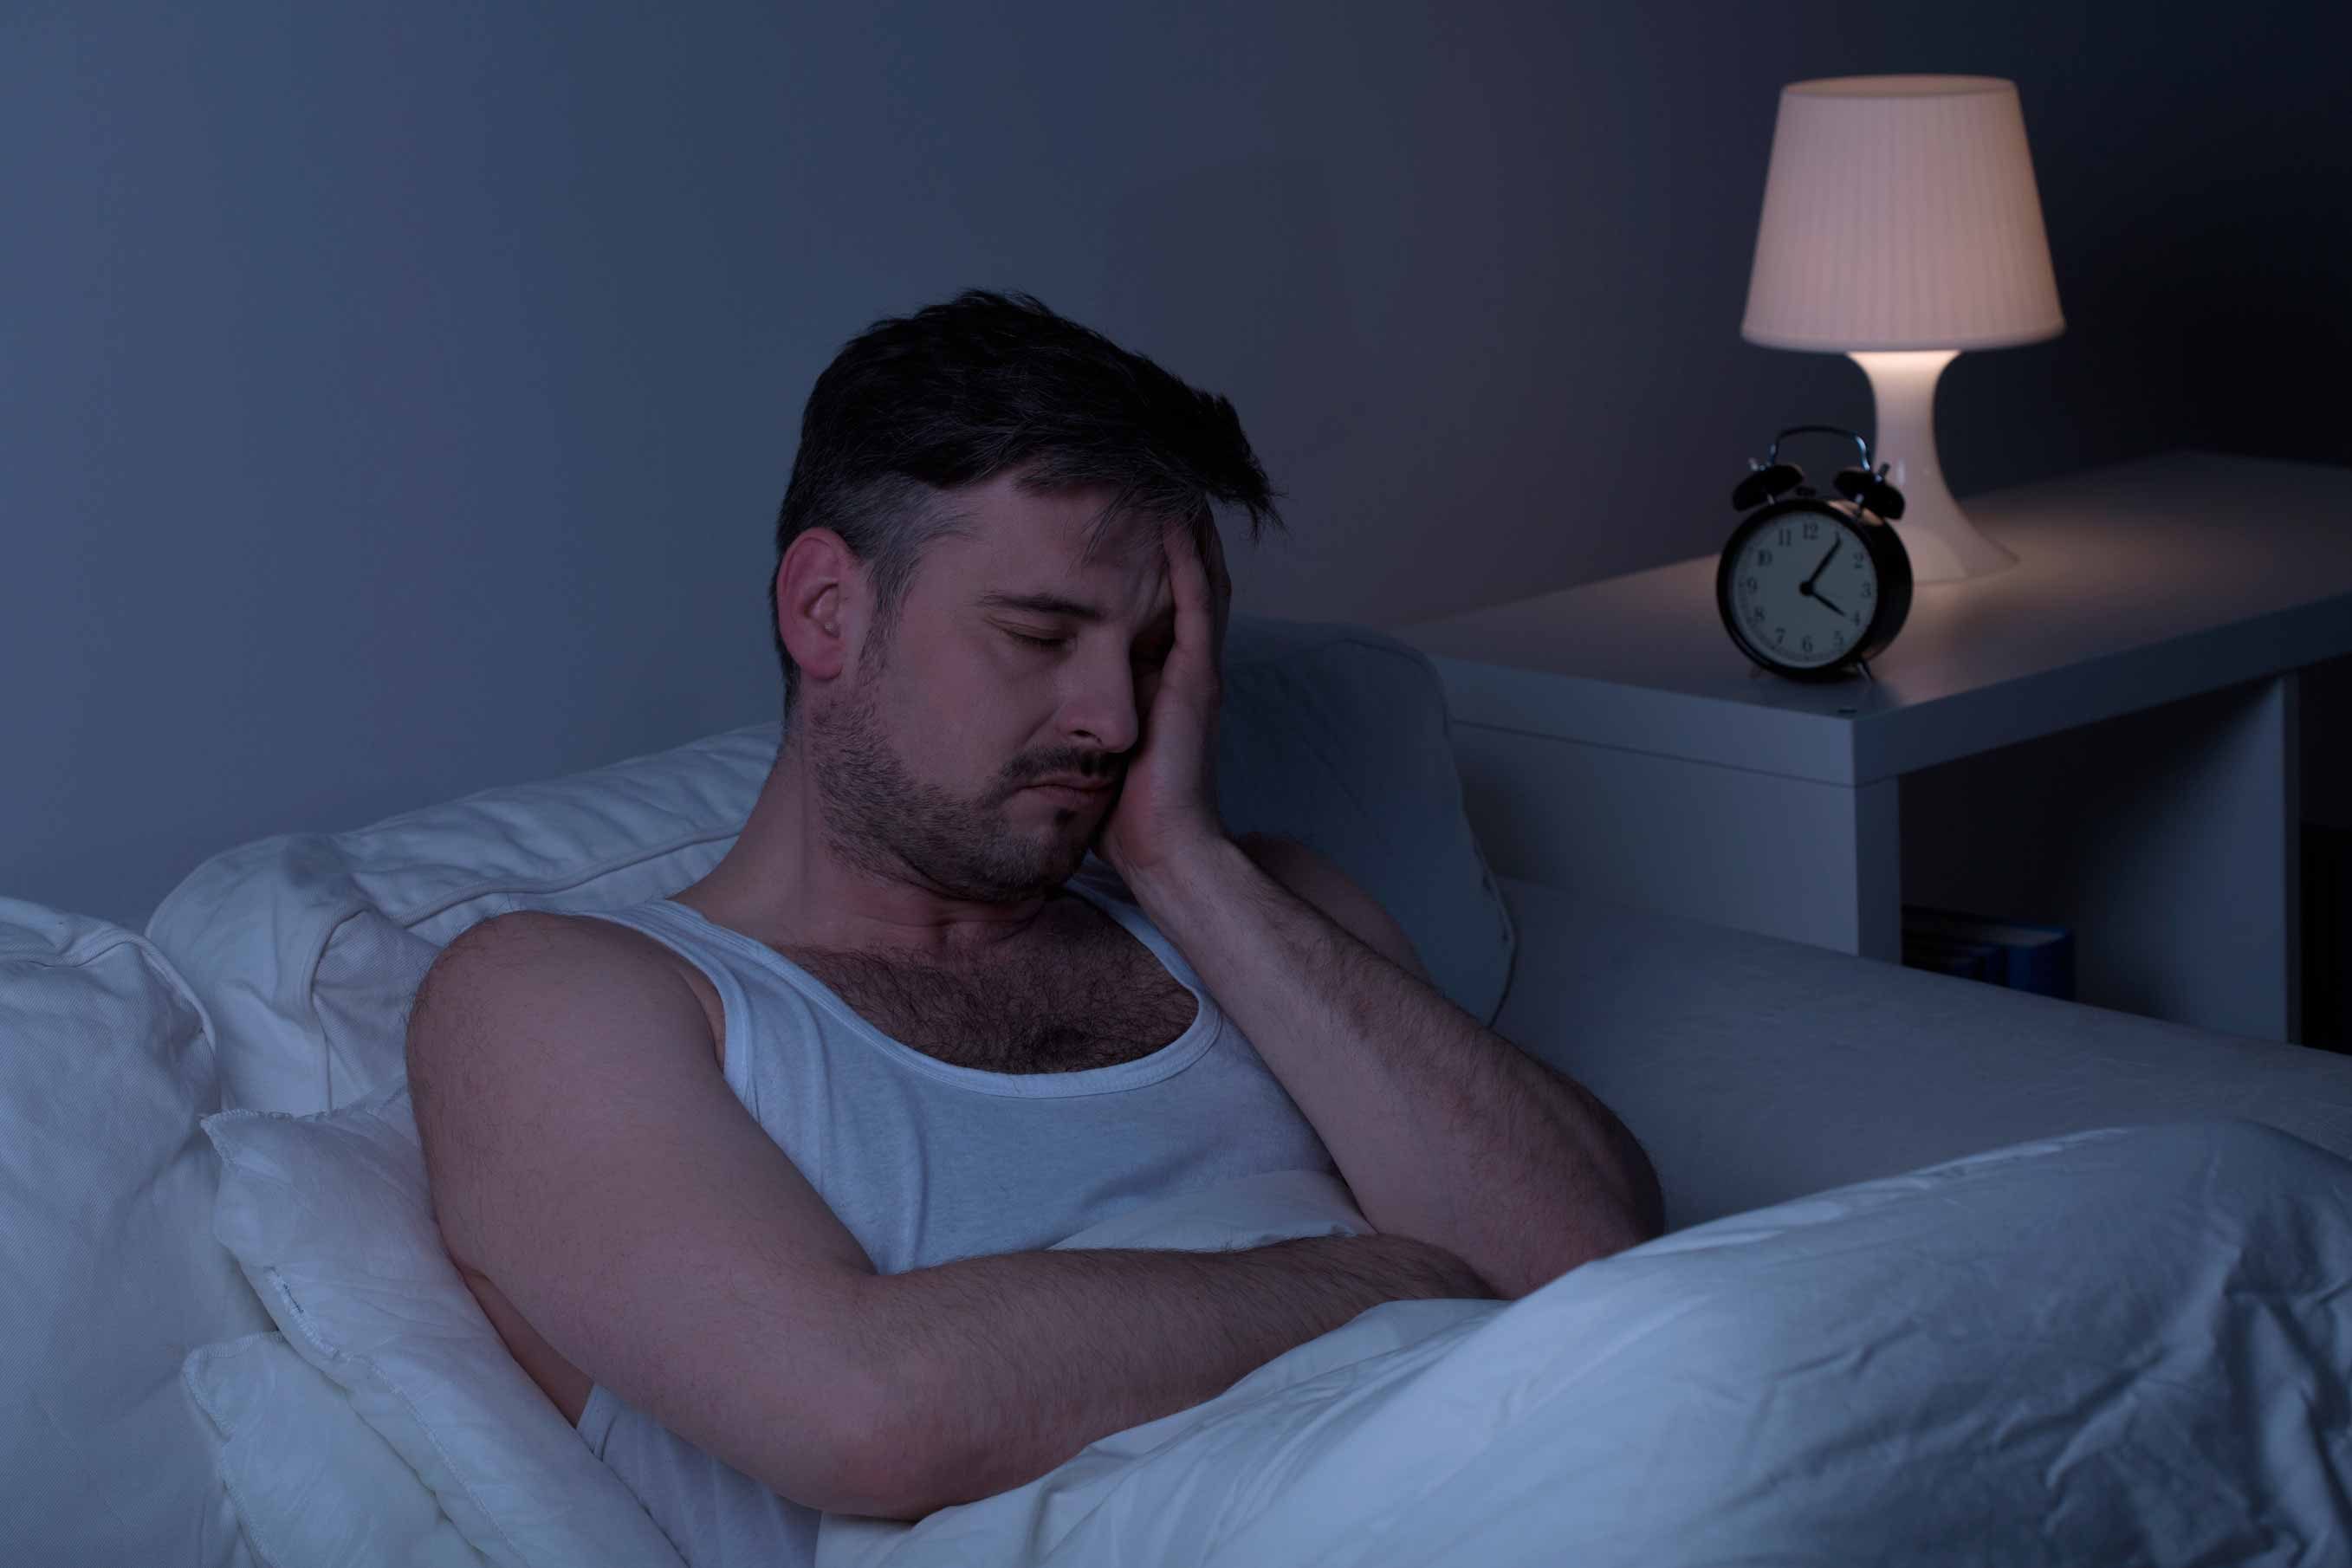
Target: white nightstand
[{"x": 2104, "y": 735}]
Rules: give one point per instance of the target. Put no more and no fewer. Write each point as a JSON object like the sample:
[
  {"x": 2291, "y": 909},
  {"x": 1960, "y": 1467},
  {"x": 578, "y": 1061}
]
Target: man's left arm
[{"x": 1443, "y": 1129}]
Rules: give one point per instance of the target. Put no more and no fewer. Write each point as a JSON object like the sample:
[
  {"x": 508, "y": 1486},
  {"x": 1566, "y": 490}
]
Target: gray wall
[{"x": 397, "y": 396}]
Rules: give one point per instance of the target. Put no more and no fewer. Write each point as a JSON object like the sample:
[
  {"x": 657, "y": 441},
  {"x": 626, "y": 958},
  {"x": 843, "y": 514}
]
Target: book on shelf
[{"x": 2019, "y": 954}]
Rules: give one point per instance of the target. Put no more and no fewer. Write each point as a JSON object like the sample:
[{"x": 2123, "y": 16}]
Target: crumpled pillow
[
  {"x": 106, "y": 1063},
  {"x": 330, "y": 1218},
  {"x": 313, "y": 1486}
]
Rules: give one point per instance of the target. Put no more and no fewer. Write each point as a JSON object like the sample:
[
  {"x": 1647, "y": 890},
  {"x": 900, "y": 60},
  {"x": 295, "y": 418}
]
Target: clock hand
[
  {"x": 1825, "y": 563},
  {"x": 1833, "y": 609}
]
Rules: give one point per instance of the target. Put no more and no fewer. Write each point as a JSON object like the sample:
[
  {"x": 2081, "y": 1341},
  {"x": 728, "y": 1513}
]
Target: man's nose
[{"x": 1104, "y": 708}]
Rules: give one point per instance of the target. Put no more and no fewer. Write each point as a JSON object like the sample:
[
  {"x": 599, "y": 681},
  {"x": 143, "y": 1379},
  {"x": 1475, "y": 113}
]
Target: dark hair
[{"x": 960, "y": 392}]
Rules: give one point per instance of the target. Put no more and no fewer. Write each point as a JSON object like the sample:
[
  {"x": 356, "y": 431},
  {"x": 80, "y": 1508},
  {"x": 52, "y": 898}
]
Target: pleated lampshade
[{"x": 1900, "y": 213}]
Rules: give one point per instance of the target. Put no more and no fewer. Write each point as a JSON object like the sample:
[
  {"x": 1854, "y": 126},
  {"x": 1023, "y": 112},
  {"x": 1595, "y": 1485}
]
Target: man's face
[{"x": 926, "y": 759}]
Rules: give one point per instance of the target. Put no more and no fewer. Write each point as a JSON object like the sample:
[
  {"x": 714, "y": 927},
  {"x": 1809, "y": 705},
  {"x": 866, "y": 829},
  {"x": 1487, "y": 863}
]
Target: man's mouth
[{"x": 1075, "y": 792}]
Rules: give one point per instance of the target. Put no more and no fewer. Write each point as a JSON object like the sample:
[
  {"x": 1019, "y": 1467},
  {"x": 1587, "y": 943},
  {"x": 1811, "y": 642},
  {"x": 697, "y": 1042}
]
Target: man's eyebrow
[
  {"x": 1042, "y": 603},
  {"x": 1055, "y": 604}
]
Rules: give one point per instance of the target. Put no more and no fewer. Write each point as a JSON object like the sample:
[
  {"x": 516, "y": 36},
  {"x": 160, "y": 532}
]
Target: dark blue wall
[{"x": 397, "y": 396}]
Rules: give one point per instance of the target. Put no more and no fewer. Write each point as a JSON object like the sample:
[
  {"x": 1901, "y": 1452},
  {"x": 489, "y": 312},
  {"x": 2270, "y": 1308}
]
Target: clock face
[{"x": 1804, "y": 589}]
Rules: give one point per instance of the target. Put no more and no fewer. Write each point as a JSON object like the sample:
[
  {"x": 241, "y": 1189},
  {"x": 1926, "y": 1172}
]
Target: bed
[{"x": 1950, "y": 1271}]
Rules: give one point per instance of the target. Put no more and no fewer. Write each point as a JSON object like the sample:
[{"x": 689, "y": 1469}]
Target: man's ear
[{"x": 820, "y": 603}]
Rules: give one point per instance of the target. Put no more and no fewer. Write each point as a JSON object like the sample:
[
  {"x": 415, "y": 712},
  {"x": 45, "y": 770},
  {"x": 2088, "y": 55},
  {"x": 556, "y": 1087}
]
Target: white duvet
[{"x": 2124, "y": 1346}]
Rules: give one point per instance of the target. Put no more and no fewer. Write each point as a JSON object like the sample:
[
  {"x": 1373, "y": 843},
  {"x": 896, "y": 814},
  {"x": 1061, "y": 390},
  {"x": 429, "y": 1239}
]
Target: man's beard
[{"x": 888, "y": 823}]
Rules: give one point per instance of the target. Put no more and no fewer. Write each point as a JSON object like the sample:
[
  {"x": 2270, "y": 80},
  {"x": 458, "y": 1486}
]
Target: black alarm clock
[{"x": 1812, "y": 587}]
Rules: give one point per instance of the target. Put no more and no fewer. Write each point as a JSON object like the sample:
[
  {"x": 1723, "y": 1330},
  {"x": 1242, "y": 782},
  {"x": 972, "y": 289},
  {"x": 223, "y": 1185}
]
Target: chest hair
[{"x": 1087, "y": 995}]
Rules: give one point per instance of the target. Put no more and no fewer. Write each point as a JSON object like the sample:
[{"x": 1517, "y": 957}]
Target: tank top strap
[{"x": 680, "y": 930}]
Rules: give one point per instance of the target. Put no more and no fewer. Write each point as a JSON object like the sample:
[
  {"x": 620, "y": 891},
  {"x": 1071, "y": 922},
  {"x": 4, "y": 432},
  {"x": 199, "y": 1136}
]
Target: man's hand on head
[{"x": 1167, "y": 803}]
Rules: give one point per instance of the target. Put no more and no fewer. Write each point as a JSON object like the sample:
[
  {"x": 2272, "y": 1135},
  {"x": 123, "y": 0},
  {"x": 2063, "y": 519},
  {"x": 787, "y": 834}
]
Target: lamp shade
[{"x": 1900, "y": 213}]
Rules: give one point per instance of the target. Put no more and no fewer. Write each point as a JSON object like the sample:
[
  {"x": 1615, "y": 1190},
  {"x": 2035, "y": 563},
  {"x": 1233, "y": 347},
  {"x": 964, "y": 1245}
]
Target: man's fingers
[
  {"x": 1217, "y": 572},
  {"x": 1203, "y": 590},
  {"x": 1188, "y": 580}
]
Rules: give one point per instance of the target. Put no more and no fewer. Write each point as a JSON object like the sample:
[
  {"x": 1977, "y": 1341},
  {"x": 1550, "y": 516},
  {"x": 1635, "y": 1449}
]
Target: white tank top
[{"x": 925, "y": 1163}]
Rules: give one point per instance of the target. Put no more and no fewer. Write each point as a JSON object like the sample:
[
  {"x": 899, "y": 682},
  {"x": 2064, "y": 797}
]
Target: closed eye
[{"x": 1152, "y": 657}]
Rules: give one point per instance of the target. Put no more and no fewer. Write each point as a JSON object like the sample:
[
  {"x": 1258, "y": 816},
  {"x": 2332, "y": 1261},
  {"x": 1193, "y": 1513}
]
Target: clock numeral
[
  {"x": 1809, "y": 645},
  {"x": 1840, "y": 638},
  {"x": 1812, "y": 530},
  {"x": 1869, "y": 589},
  {"x": 1757, "y": 614},
  {"x": 1751, "y": 584},
  {"x": 1778, "y": 633},
  {"x": 1764, "y": 558},
  {"x": 1784, "y": 536}
]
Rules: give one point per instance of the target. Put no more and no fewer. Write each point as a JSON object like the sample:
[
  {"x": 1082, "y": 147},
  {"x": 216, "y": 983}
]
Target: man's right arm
[
  {"x": 1003, "y": 1367},
  {"x": 587, "y": 1158}
]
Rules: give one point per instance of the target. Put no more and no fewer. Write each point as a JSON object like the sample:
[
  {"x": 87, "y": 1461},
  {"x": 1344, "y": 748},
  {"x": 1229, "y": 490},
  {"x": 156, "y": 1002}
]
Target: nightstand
[{"x": 2104, "y": 736}]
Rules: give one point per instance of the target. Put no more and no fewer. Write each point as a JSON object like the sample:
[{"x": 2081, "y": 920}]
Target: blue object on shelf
[
  {"x": 2018, "y": 954},
  {"x": 1967, "y": 960}
]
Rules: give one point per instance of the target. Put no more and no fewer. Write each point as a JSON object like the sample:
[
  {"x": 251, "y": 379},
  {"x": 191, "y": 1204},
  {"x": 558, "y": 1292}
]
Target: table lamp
[{"x": 1901, "y": 225}]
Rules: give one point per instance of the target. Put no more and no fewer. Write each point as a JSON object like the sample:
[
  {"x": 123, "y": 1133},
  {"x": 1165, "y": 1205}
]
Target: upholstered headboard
[{"x": 307, "y": 948}]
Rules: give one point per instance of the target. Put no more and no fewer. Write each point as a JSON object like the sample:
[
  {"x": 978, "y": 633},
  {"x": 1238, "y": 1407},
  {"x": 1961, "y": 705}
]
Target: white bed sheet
[{"x": 2125, "y": 1344}]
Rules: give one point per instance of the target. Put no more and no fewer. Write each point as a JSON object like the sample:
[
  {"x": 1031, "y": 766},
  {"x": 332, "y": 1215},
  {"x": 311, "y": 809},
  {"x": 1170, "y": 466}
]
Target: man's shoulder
[
  {"x": 526, "y": 944},
  {"x": 560, "y": 989},
  {"x": 527, "y": 953}
]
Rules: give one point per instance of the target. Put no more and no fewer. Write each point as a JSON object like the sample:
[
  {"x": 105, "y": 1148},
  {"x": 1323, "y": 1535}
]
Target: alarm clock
[{"x": 1811, "y": 588}]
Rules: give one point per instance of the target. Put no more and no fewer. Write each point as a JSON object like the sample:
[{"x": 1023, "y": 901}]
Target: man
[{"x": 755, "y": 1180}]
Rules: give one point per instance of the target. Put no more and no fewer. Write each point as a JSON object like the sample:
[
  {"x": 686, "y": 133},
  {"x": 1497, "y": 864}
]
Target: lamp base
[{"x": 1944, "y": 546}]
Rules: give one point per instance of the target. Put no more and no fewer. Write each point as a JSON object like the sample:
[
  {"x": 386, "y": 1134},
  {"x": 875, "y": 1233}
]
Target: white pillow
[
  {"x": 314, "y": 1488},
  {"x": 331, "y": 1218},
  {"x": 108, "y": 1275},
  {"x": 309, "y": 947}
]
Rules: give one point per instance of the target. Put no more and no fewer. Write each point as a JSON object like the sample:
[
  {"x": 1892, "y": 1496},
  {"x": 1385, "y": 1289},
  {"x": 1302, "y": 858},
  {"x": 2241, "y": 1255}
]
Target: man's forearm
[
  {"x": 1000, "y": 1368},
  {"x": 1442, "y": 1129}
]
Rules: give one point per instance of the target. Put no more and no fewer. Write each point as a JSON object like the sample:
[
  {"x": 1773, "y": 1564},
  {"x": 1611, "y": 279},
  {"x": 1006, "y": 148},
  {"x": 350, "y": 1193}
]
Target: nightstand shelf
[{"x": 2103, "y": 736}]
